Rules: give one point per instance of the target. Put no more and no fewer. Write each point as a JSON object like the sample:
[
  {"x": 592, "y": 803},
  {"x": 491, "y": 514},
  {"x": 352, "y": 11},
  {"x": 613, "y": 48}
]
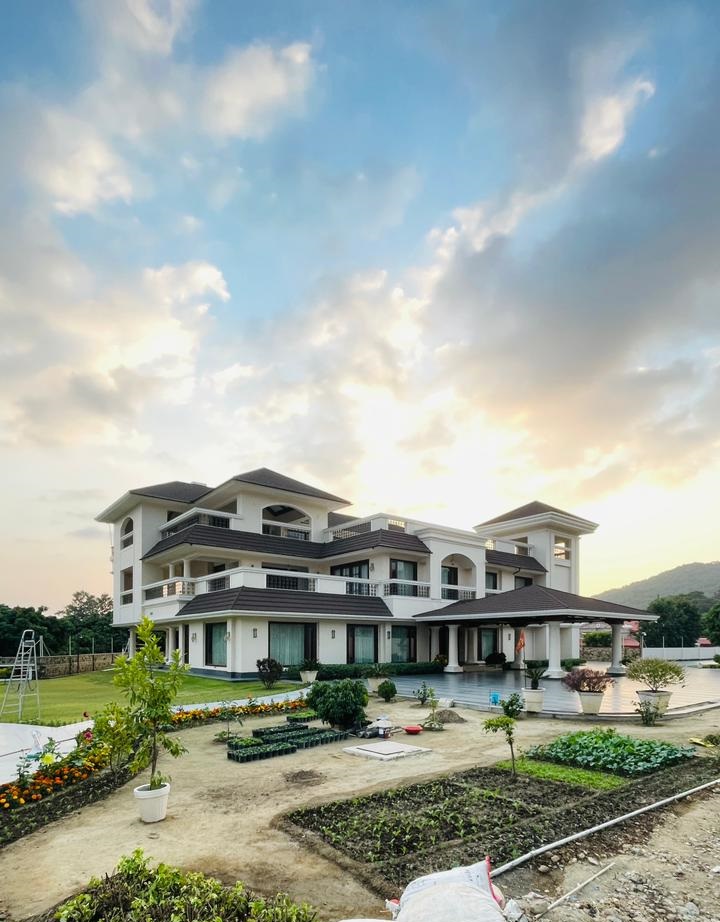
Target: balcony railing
[
  {"x": 281, "y": 530},
  {"x": 457, "y": 593},
  {"x": 283, "y": 581},
  {"x": 406, "y": 587},
  {"x": 169, "y": 588}
]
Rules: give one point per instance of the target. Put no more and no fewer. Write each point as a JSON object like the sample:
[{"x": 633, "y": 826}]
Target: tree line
[
  {"x": 83, "y": 626},
  {"x": 682, "y": 619}
]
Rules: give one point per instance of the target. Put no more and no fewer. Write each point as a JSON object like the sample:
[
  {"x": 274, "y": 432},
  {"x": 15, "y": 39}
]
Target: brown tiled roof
[
  {"x": 522, "y": 512},
  {"x": 536, "y": 599},
  {"x": 508, "y": 559},
  {"x": 264, "y": 477},
  {"x": 175, "y": 490},
  {"x": 286, "y": 601},
  {"x": 210, "y": 536}
]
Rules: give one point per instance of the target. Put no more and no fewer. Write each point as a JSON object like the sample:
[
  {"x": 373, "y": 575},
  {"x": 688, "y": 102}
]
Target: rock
[
  {"x": 543, "y": 869},
  {"x": 534, "y": 903},
  {"x": 447, "y": 716},
  {"x": 555, "y": 859},
  {"x": 715, "y": 870},
  {"x": 514, "y": 912},
  {"x": 690, "y": 909},
  {"x": 592, "y": 860}
]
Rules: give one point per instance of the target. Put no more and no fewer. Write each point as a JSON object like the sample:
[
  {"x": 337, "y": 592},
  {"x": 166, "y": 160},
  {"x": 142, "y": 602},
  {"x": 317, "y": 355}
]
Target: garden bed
[
  {"x": 268, "y": 742},
  {"x": 390, "y": 838}
]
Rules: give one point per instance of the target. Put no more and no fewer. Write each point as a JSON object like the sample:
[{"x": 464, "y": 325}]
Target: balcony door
[{"x": 362, "y": 644}]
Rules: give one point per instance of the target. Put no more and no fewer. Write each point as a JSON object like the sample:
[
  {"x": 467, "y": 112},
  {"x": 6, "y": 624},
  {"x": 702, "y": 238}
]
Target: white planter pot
[
  {"x": 590, "y": 702},
  {"x": 152, "y": 804},
  {"x": 534, "y": 698},
  {"x": 659, "y": 698},
  {"x": 374, "y": 682},
  {"x": 308, "y": 676}
]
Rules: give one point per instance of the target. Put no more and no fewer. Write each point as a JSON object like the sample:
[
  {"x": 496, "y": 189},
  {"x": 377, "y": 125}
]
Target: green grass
[
  {"x": 65, "y": 699},
  {"x": 551, "y": 771}
]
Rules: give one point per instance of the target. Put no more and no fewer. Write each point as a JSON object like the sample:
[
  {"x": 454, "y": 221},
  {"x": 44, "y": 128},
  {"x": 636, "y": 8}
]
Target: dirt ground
[{"x": 220, "y": 816}]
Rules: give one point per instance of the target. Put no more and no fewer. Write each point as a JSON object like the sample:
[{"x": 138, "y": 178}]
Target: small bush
[
  {"x": 512, "y": 706},
  {"x": 387, "y": 690},
  {"x": 341, "y": 704},
  {"x": 648, "y": 711},
  {"x": 608, "y": 750},
  {"x": 587, "y": 680},
  {"x": 424, "y": 693},
  {"x": 269, "y": 671},
  {"x": 597, "y": 639},
  {"x": 495, "y": 659},
  {"x": 656, "y": 674}
]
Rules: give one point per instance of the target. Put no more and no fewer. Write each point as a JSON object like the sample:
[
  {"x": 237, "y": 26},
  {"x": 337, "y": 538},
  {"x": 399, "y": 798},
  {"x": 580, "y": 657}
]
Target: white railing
[
  {"x": 169, "y": 588},
  {"x": 406, "y": 587},
  {"x": 349, "y": 531},
  {"x": 286, "y": 530},
  {"x": 200, "y": 516},
  {"x": 457, "y": 593}
]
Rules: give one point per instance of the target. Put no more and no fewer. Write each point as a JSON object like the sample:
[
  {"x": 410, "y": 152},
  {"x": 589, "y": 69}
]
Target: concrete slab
[{"x": 385, "y": 750}]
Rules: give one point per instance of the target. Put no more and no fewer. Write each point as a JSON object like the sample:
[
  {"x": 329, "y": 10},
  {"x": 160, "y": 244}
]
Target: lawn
[{"x": 65, "y": 699}]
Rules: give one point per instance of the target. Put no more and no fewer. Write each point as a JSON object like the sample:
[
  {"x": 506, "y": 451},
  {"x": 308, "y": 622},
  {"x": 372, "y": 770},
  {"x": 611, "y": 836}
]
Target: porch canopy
[{"x": 535, "y": 605}]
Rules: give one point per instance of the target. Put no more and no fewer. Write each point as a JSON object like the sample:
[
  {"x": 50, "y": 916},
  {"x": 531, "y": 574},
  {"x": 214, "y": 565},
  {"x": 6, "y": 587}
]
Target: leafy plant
[
  {"x": 597, "y": 638},
  {"x": 229, "y": 713},
  {"x": 551, "y": 771},
  {"x": 432, "y": 721},
  {"x": 534, "y": 674},
  {"x": 495, "y": 659},
  {"x": 340, "y": 703},
  {"x": 512, "y": 706},
  {"x": 656, "y": 674},
  {"x": 269, "y": 671},
  {"x": 115, "y": 727},
  {"x": 587, "y": 680},
  {"x": 424, "y": 693},
  {"x": 441, "y": 660},
  {"x": 607, "y": 750},
  {"x": 167, "y": 894},
  {"x": 504, "y": 725},
  {"x": 375, "y": 670},
  {"x": 648, "y": 711},
  {"x": 309, "y": 664},
  {"x": 150, "y": 692},
  {"x": 387, "y": 690}
]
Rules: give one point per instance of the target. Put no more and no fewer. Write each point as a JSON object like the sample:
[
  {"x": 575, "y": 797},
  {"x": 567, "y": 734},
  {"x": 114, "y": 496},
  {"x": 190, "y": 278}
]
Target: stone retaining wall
[
  {"x": 603, "y": 654},
  {"x": 50, "y": 667}
]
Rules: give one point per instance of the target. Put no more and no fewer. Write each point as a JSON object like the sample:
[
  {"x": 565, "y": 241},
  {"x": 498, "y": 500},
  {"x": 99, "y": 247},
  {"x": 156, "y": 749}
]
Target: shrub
[
  {"x": 534, "y": 673},
  {"x": 512, "y": 706},
  {"x": 587, "y": 680},
  {"x": 607, "y": 750},
  {"x": 387, "y": 690},
  {"x": 150, "y": 691},
  {"x": 165, "y": 894},
  {"x": 269, "y": 671},
  {"x": 567, "y": 664},
  {"x": 656, "y": 674},
  {"x": 648, "y": 711},
  {"x": 330, "y": 671},
  {"x": 504, "y": 725},
  {"x": 441, "y": 660},
  {"x": 597, "y": 638},
  {"x": 309, "y": 665},
  {"x": 495, "y": 659},
  {"x": 424, "y": 692},
  {"x": 341, "y": 704},
  {"x": 114, "y": 728}
]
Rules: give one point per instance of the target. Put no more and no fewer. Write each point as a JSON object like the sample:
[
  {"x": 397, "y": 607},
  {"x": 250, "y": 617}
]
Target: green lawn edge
[{"x": 552, "y": 771}]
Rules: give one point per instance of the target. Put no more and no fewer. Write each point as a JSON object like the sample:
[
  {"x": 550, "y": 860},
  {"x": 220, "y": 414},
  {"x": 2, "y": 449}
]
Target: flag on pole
[{"x": 520, "y": 645}]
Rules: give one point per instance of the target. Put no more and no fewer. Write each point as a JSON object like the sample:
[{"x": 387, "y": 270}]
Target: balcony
[
  {"x": 293, "y": 530},
  {"x": 199, "y": 516},
  {"x": 406, "y": 587},
  {"x": 457, "y": 593},
  {"x": 169, "y": 589}
]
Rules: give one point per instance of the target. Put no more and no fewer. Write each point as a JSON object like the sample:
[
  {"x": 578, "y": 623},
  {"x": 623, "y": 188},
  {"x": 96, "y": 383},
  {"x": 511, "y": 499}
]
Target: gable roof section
[
  {"x": 508, "y": 559},
  {"x": 286, "y": 601},
  {"x": 264, "y": 477},
  {"x": 536, "y": 600},
  {"x": 175, "y": 490},
  {"x": 523, "y": 512},
  {"x": 228, "y": 538}
]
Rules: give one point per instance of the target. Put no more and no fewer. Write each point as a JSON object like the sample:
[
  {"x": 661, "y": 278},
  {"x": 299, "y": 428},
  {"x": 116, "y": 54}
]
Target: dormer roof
[
  {"x": 522, "y": 512},
  {"x": 264, "y": 477}
]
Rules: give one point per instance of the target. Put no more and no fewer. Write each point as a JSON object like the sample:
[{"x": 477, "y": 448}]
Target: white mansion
[{"x": 265, "y": 565}]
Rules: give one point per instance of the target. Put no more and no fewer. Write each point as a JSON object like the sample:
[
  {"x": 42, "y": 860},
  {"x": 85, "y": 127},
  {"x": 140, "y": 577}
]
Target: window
[
  {"x": 403, "y": 570},
  {"x": 522, "y": 581},
  {"x": 488, "y": 642},
  {"x": 359, "y": 569},
  {"x": 491, "y": 579},
  {"x": 275, "y": 581},
  {"x": 286, "y": 522},
  {"x": 404, "y": 644},
  {"x": 216, "y": 644},
  {"x": 449, "y": 578},
  {"x": 361, "y": 643},
  {"x": 561, "y": 549},
  {"x": 521, "y": 545},
  {"x": 126, "y": 586},
  {"x": 127, "y": 533},
  {"x": 290, "y": 644}
]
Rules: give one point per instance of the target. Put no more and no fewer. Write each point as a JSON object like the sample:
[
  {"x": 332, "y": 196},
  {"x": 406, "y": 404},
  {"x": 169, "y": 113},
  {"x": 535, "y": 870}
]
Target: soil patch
[
  {"x": 448, "y": 716},
  {"x": 306, "y": 778}
]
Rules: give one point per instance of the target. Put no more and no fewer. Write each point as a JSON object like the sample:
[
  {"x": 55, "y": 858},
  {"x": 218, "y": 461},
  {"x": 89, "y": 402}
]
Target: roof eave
[
  {"x": 575, "y": 614},
  {"x": 573, "y": 522}
]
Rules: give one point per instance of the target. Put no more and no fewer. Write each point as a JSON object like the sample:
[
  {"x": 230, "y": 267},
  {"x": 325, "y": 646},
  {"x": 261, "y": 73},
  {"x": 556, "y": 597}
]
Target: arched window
[
  {"x": 286, "y": 522},
  {"x": 127, "y": 533}
]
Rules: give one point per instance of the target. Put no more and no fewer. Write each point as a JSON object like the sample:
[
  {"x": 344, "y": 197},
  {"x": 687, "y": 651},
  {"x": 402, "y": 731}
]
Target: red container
[{"x": 413, "y": 730}]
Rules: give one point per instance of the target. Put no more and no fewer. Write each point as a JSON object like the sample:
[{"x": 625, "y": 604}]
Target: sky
[{"x": 442, "y": 258}]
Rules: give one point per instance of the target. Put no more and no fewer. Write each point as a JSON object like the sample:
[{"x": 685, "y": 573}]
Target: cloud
[
  {"x": 149, "y": 26},
  {"x": 605, "y": 119},
  {"x": 246, "y": 95}
]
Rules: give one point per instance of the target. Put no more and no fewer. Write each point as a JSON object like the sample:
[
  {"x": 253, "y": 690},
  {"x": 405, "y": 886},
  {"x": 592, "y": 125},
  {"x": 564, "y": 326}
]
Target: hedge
[
  {"x": 567, "y": 664},
  {"x": 329, "y": 671}
]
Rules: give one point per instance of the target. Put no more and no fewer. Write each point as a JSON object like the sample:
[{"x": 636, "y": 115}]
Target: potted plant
[
  {"x": 309, "y": 669},
  {"x": 657, "y": 675},
  {"x": 151, "y": 690},
  {"x": 375, "y": 674},
  {"x": 590, "y": 684},
  {"x": 534, "y": 696}
]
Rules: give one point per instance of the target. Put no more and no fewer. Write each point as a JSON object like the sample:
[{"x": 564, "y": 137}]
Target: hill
[{"x": 689, "y": 577}]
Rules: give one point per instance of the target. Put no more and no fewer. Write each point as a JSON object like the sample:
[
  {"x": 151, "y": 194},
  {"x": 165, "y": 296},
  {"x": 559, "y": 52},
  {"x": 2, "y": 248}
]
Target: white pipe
[
  {"x": 566, "y": 896},
  {"x": 606, "y": 825}
]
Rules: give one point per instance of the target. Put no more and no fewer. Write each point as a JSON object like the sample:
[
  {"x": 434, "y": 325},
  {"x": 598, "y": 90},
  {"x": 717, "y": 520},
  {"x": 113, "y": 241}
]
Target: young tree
[
  {"x": 151, "y": 691},
  {"x": 504, "y": 725}
]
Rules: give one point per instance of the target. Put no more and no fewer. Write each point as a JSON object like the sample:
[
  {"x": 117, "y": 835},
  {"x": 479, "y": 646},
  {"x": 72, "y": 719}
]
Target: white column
[
  {"x": 472, "y": 636},
  {"x": 131, "y": 643},
  {"x": 231, "y": 645},
  {"x": 186, "y": 569},
  {"x": 555, "y": 670},
  {"x": 616, "y": 667},
  {"x": 171, "y": 571},
  {"x": 181, "y": 643},
  {"x": 519, "y": 655},
  {"x": 434, "y": 641},
  {"x": 453, "y": 665}
]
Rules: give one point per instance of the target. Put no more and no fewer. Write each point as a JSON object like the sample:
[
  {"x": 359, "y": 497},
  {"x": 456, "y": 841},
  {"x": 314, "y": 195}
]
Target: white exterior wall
[
  {"x": 332, "y": 650},
  {"x": 251, "y": 505},
  {"x": 251, "y": 649}
]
